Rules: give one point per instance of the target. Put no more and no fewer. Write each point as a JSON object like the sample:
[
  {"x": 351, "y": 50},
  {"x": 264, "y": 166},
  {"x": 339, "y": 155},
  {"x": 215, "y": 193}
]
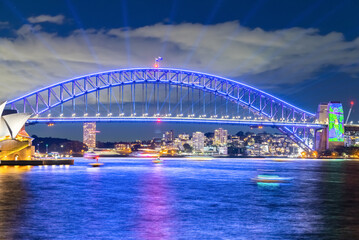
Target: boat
[
  {"x": 104, "y": 153},
  {"x": 96, "y": 164},
  {"x": 144, "y": 153},
  {"x": 157, "y": 160},
  {"x": 271, "y": 179},
  {"x": 91, "y": 155}
]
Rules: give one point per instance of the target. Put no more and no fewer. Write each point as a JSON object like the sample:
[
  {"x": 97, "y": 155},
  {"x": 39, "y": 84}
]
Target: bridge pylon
[{"x": 331, "y": 137}]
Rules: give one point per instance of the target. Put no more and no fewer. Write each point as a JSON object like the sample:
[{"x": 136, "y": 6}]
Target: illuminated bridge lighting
[{"x": 164, "y": 94}]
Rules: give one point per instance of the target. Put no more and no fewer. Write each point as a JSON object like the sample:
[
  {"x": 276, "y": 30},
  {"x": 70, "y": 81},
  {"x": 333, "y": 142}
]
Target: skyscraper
[
  {"x": 220, "y": 137},
  {"x": 168, "y": 136},
  {"x": 198, "y": 141},
  {"x": 89, "y": 137}
]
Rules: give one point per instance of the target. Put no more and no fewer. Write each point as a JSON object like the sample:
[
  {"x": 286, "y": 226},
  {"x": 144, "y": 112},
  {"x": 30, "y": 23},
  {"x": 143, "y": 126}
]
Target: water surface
[{"x": 181, "y": 199}]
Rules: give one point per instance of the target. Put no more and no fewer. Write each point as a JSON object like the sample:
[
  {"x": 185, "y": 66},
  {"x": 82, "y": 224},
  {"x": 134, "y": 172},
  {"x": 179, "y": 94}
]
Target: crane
[{"x": 350, "y": 111}]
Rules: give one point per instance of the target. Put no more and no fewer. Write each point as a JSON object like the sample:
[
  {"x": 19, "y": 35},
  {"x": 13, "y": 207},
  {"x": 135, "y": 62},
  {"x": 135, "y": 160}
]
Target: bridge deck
[{"x": 178, "y": 120}]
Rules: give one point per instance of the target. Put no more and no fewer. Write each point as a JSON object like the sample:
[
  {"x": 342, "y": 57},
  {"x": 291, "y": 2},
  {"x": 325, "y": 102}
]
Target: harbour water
[{"x": 181, "y": 199}]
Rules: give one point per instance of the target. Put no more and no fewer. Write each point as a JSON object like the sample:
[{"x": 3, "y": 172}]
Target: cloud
[
  {"x": 265, "y": 59},
  {"x": 58, "y": 19}
]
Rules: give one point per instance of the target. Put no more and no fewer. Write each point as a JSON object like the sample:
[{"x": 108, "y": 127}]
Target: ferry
[
  {"x": 91, "y": 155},
  {"x": 157, "y": 160},
  {"x": 271, "y": 179},
  {"x": 145, "y": 153},
  {"x": 96, "y": 164},
  {"x": 103, "y": 153}
]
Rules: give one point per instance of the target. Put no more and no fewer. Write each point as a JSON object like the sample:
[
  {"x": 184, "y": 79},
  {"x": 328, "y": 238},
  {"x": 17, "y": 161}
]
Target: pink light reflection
[{"x": 156, "y": 217}]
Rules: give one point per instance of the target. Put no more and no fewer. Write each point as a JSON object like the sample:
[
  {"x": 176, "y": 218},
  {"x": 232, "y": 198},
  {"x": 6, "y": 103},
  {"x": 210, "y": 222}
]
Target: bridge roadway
[
  {"x": 351, "y": 127},
  {"x": 229, "y": 121}
]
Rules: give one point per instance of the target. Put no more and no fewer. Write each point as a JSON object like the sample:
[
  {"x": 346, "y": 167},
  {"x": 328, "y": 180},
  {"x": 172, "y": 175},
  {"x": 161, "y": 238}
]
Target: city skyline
[
  {"x": 190, "y": 119},
  {"x": 290, "y": 56}
]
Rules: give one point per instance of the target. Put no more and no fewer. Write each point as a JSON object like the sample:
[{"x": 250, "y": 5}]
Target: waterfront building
[
  {"x": 168, "y": 136},
  {"x": 220, "y": 136},
  {"x": 177, "y": 143},
  {"x": 222, "y": 150},
  {"x": 264, "y": 148},
  {"x": 198, "y": 142},
  {"x": 89, "y": 134},
  {"x": 184, "y": 137},
  {"x": 15, "y": 143},
  {"x": 351, "y": 139},
  {"x": 121, "y": 146},
  {"x": 210, "y": 150},
  {"x": 156, "y": 143}
]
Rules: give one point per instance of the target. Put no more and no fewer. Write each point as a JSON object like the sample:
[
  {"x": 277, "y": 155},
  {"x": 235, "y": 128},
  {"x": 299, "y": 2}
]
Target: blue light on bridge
[{"x": 208, "y": 87}]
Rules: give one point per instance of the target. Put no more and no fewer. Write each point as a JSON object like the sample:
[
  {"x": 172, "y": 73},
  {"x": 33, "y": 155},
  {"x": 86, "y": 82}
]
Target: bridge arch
[
  {"x": 256, "y": 100},
  {"x": 260, "y": 103}
]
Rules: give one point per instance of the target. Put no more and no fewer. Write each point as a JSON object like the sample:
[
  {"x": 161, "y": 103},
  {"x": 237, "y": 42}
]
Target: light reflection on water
[
  {"x": 155, "y": 213},
  {"x": 181, "y": 199}
]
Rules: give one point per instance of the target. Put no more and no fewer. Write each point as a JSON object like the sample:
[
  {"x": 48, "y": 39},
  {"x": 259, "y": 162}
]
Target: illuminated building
[
  {"x": 351, "y": 139},
  {"x": 184, "y": 137},
  {"x": 220, "y": 136},
  {"x": 198, "y": 141},
  {"x": 121, "y": 146},
  {"x": 222, "y": 150},
  {"x": 168, "y": 136},
  {"x": 89, "y": 134},
  {"x": 15, "y": 143},
  {"x": 178, "y": 143},
  {"x": 331, "y": 137}
]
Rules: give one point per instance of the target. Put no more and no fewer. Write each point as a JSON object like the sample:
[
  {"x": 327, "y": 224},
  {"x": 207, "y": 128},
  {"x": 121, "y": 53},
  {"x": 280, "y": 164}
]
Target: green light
[
  {"x": 336, "y": 120},
  {"x": 262, "y": 184}
]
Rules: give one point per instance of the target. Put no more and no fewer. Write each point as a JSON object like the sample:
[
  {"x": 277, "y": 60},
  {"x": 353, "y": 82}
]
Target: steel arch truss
[{"x": 260, "y": 103}]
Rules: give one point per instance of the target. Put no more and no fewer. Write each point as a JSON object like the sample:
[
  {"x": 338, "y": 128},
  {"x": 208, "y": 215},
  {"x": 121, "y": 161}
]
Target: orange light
[
  {"x": 158, "y": 120},
  {"x": 156, "y": 65},
  {"x": 352, "y": 103}
]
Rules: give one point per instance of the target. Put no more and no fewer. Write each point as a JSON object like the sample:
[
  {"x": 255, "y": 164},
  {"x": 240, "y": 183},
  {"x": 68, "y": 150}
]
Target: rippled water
[{"x": 181, "y": 199}]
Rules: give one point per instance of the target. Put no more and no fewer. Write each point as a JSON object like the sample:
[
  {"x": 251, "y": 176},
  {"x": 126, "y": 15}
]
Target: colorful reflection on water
[
  {"x": 181, "y": 199},
  {"x": 156, "y": 217}
]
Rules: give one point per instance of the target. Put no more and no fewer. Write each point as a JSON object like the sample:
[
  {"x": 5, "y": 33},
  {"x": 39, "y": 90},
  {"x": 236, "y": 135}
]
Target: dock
[{"x": 37, "y": 162}]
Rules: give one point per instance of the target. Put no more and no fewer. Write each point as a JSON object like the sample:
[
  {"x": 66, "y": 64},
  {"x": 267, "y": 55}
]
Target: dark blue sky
[
  {"x": 326, "y": 15},
  {"x": 305, "y": 52}
]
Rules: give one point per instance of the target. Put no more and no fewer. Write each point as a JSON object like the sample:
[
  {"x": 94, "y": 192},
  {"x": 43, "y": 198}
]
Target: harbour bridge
[{"x": 166, "y": 95}]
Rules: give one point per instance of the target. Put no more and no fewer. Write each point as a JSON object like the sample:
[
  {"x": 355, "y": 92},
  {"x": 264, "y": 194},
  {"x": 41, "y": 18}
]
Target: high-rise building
[
  {"x": 89, "y": 137},
  {"x": 198, "y": 141},
  {"x": 168, "y": 136},
  {"x": 184, "y": 137},
  {"x": 220, "y": 136}
]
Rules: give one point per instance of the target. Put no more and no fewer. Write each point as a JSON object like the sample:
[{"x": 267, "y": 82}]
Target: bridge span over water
[{"x": 168, "y": 95}]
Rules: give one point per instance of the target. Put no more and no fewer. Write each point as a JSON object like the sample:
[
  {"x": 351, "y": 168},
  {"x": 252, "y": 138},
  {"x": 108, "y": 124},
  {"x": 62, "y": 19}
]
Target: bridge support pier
[{"x": 331, "y": 137}]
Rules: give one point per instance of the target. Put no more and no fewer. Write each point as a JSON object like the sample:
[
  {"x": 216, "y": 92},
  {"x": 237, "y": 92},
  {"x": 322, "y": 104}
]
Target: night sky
[{"x": 304, "y": 52}]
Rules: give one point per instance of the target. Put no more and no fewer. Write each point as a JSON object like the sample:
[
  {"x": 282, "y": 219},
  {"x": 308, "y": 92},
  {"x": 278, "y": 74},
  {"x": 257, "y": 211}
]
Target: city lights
[{"x": 179, "y": 119}]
